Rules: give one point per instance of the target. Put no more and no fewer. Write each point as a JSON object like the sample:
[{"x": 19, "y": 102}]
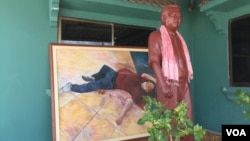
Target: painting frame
[{"x": 64, "y": 58}]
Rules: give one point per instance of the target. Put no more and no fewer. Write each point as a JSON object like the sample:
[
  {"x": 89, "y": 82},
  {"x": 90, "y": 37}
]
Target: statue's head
[{"x": 171, "y": 16}]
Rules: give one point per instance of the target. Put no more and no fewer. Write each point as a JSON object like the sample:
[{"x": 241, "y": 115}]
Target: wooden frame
[{"x": 73, "y": 114}]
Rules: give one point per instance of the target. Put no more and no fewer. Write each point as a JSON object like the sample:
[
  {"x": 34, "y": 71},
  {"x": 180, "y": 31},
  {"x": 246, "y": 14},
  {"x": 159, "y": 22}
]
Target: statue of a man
[{"x": 169, "y": 58}]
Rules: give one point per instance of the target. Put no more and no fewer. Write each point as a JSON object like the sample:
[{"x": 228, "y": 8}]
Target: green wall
[
  {"x": 211, "y": 72},
  {"x": 25, "y": 32},
  {"x": 24, "y": 36}
]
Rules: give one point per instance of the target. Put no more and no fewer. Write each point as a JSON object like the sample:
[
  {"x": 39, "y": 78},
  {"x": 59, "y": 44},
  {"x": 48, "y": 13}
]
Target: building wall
[
  {"x": 25, "y": 112},
  {"x": 24, "y": 36},
  {"x": 211, "y": 73}
]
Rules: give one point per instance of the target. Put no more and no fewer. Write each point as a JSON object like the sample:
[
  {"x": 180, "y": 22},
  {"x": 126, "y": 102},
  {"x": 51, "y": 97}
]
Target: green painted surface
[
  {"x": 114, "y": 11},
  {"x": 212, "y": 108},
  {"x": 24, "y": 36},
  {"x": 25, "y": 33}
]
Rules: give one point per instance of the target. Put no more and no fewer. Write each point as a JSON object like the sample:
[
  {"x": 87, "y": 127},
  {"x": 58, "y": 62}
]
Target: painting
[{"x": 87, "y": 116}]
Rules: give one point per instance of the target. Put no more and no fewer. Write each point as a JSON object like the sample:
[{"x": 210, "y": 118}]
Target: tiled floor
[{"x": 80, "y": 116}]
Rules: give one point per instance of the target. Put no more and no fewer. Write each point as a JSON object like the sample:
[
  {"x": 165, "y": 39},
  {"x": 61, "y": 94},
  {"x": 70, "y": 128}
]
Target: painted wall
[
  {"x": 211, "y": 69},
  {"x": 24, "y": 36},
  {"x": 25, "y": 113}
]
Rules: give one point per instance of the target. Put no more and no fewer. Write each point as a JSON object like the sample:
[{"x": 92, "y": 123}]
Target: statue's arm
[{"x": 154, "y": 52}]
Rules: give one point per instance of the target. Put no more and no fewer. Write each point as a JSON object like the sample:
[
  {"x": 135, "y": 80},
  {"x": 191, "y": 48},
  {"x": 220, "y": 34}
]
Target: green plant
[
  {"x": 168, "y": 124},
  {"x": 243, "y": 98}
]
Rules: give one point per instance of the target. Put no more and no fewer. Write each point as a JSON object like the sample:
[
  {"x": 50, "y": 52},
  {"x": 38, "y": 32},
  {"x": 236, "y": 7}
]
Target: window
[
  {"x": 78, "y": 31},
  {"x": 239, "y": 51}
]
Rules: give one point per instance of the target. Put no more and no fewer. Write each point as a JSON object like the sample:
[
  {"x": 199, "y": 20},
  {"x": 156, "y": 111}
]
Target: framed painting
[{"x": 95, "y": 114}]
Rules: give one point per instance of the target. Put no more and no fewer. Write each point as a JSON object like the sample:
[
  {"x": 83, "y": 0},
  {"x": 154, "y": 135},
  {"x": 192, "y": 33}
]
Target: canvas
[{"x": 80, "y": 116}]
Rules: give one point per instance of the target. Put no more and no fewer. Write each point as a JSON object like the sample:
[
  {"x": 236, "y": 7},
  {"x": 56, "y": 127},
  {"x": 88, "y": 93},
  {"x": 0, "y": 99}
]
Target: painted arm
[{"x": 149, "y": 77}]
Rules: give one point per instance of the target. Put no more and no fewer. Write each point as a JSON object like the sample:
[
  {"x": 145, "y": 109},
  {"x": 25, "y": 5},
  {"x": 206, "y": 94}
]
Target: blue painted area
[{"x": 141, "y": 62}]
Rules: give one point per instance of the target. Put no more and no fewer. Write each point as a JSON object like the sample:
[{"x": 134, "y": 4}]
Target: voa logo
[{"x": 236, "y": 132}]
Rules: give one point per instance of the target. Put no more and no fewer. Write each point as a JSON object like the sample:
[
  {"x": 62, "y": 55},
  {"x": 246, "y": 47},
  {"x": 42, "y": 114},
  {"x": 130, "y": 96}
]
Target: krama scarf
[{"x": 169, "y": 63}]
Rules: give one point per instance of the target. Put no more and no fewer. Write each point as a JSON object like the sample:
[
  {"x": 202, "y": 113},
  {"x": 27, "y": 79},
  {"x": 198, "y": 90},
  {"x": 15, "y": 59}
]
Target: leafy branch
[
  {"x": 168, "y": 124},
  {"x": 243, "y": 98}
]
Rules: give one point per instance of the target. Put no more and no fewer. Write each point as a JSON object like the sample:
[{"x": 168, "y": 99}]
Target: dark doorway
[{"x": 239, "y": 51}]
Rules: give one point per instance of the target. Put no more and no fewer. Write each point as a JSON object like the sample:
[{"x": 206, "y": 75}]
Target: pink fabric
[{"x": 169, "y": 64}]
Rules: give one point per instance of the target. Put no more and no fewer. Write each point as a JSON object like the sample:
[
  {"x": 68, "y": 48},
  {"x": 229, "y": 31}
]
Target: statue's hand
[
  {"x": 166, "y": 90},
  {"x": 168, "y": 94}
]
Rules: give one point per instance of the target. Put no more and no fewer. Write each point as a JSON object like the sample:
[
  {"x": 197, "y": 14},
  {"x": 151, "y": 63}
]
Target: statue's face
[{"x": 171, "y": 17}]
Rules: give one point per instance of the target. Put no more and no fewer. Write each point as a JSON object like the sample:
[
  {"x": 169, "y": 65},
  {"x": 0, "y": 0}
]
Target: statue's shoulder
[
  {"x": 155, "y": 34},
  {"x": 154, "y": 39}
]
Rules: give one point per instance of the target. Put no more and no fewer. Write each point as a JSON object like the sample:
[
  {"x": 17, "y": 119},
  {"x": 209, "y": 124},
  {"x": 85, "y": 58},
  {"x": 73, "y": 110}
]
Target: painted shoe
[{"x": 65, "y": 88}]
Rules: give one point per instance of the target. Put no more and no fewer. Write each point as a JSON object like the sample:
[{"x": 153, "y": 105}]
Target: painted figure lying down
[{"x": 119, "y": 95}]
